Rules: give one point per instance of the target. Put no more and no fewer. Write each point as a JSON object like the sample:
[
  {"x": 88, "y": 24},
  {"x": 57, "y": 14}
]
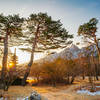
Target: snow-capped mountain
[
  {"x": 71, "y": 52},
  {"x": 68, "y": 53},
  {"x": 51, "y": 57}
]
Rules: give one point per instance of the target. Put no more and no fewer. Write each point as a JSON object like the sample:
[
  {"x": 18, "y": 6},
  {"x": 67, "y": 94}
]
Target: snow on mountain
[
  {"x": 67, "y": 53},
  {"x": 71, "y": 52},
  {"x": 51, "y": 57}
]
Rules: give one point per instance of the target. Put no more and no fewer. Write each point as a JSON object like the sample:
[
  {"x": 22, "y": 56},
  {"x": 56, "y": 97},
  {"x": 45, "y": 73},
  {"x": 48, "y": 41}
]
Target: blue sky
[{"x": 71, "y": 12}]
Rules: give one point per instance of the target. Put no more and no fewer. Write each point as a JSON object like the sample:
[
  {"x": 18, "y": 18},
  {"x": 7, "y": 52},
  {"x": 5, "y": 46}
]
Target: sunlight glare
[{"x": 24, "y": 57}]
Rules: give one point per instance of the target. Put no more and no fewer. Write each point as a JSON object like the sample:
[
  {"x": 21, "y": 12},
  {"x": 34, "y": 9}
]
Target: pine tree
[
  {"x": 88, "y": 31},
  {"x": 44, "y": 33},
  {"x": 10, "y": 26}
]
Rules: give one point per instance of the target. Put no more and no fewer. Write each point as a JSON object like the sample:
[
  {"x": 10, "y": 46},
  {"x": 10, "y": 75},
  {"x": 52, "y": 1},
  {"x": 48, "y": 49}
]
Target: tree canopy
[
  {"x": 88, "y": 29},
  {"x": 51, "y": 34},
  {"x": 11, "y": 24}
]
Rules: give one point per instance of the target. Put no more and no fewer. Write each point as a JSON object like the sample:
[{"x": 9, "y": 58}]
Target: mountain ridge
[{"x": 71, "y": 52}]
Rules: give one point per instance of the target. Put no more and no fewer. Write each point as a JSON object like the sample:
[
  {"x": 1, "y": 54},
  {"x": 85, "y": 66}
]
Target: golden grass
[{"x": 60, "y": 92}]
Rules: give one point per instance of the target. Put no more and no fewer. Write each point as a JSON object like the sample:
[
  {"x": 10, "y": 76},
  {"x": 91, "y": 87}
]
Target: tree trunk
[
  {"x": 32, "y": 57},
  {"x": 83, "y": 76},
  {"x": 98, "y": 49},
  {"x": 6, "y": 83},
  {"x": 4, "y": 61},
  {"x": 72, "y": 79},
  {"x": 89, "y": 70},
  {"x": 5, "y": 56},
  {"x": 96, "y": 72},
  {"x": 95, "y": 65},
  {"x": 68, "y": 79},
  {"x": 29, "y": 65}
]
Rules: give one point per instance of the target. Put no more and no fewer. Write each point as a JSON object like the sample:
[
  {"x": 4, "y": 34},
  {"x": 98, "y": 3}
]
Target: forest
[{"x": 38, "y": 33}]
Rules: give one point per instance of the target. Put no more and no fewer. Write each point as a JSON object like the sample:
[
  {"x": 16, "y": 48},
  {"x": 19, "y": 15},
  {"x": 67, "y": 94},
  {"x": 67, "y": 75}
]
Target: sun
[{"x": 11, "y": 65}]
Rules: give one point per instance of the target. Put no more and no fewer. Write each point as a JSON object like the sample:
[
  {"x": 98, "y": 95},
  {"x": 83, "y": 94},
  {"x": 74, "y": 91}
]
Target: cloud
[{"x": 71, "y": 12}]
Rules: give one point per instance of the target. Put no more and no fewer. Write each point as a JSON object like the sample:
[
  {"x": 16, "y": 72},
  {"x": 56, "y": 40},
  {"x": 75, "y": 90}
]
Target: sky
[{"x": 72, "y": 13}]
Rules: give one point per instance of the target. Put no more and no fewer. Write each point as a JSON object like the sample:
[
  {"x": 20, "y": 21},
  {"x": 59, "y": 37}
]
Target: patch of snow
[
  {"x": 97, "y": 86},
  {"x": 34, "y": 96},
  {"x": 1, "y": 98},
  {"x": 27, "y": 98},
  {"x": 88, "y": 92}
]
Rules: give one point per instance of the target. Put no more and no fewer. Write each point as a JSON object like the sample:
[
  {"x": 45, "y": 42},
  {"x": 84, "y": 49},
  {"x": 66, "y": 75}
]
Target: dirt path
[{"x": 63, "y": 93}]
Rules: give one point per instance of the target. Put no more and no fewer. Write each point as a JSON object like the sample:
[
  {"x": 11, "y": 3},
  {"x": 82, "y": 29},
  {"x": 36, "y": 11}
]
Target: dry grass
[
  {"x": 17, "y": 92},
  {"x": 66, "y": 92},
  {"x": 60, "y": 92}
]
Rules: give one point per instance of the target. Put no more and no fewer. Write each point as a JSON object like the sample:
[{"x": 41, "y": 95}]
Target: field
[{"x": 60, "y": 92}]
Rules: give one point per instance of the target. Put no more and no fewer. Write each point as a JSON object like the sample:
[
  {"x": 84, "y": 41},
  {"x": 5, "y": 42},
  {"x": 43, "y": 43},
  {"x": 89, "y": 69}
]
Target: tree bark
[
  {"x": 83, "y": 76},
  {"x": 89, "y": 70},
  {"x": 96, "y": 72},
  {"x": 98, "y": 49},
  {"x": 95, "y": 65},
  {"x": 4, "y": 61},
  {"x": 72, "y": 79},
  {"x": 31, "y": 58}
]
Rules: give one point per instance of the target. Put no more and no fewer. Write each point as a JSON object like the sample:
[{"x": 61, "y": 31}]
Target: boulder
[{"x": 34, "y": 96}]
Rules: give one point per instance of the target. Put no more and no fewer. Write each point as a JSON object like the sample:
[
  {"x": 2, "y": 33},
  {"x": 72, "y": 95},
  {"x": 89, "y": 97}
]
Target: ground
[
  {"x": 63, "y": 93},
  {"x": 66, "y": 92},
  {"x": 60, "y": 92},
  {"x": 17, "y": 92}
]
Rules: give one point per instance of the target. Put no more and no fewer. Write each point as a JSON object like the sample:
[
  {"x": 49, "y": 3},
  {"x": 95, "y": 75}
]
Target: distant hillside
[{"x": 71, "y": 52}]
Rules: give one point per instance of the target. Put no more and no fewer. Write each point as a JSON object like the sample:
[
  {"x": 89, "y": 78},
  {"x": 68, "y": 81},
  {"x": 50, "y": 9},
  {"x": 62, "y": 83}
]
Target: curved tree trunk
[
  {"x": 31, "y": 59},
  {"x": 4, "y": 62},
  {"x": 97, "y": 46},
  {"x": 28, "y": 69}
]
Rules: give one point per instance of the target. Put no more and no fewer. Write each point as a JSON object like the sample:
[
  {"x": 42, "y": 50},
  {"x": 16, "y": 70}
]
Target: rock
[
  {"x": 34, "y": 96},
  {"x": 1, "y": 98}
]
